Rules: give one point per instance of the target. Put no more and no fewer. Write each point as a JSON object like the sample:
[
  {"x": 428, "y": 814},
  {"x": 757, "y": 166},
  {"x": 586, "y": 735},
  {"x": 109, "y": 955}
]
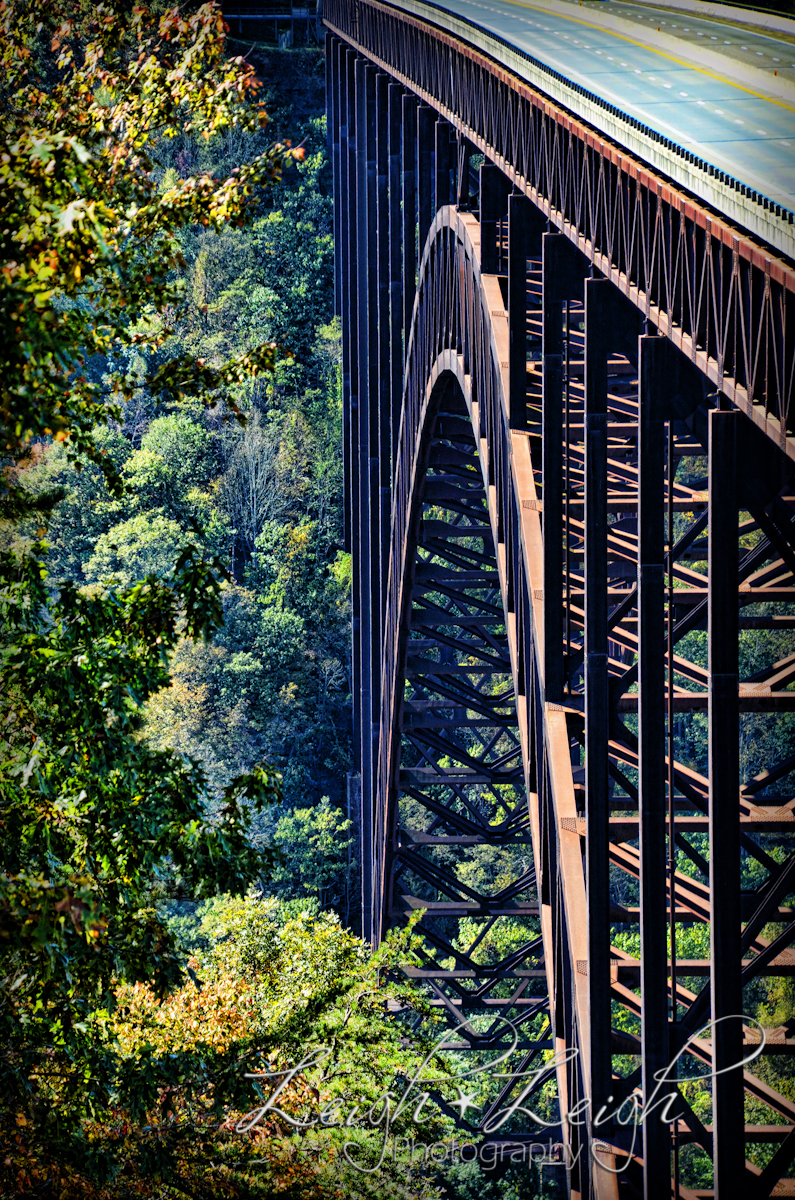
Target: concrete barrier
[
  {"x": 730, "y": 197},
  {"x": 773, "y": 22}
]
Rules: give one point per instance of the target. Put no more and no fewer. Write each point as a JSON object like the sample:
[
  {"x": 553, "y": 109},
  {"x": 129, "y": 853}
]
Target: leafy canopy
[
  {"x": 94, "y": 822},
  {"x": 88, "y": 242}
]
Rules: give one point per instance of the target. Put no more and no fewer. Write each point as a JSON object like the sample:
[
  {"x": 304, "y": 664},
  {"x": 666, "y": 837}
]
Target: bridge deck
[
  {"x": 712, "y": 105},
  {"x": 579, "y": 517}
]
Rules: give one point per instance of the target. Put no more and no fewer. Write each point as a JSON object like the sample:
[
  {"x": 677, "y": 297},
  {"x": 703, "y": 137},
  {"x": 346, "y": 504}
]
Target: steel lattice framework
[{"x": 566, "y": 395}]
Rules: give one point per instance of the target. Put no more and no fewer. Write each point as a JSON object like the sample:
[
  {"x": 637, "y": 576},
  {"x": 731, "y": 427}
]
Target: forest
[
  {"x": 179, "y": 883},
  {"x": 179, "y": 886}
]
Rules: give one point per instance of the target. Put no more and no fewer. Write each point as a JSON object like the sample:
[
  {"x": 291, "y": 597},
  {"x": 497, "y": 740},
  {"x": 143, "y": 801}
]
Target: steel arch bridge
[{"x": 569, "y": 470}]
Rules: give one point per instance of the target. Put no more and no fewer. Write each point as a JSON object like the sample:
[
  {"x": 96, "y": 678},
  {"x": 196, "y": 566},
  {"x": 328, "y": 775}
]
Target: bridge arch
[
  {"x": 625, "y": 514},
  {"x": 465, "y": 742},
  {"x": 454, "y": 394}
]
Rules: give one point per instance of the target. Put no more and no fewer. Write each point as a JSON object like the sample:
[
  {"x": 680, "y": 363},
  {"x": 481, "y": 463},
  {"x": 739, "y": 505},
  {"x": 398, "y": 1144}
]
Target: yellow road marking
[{"x": 643, "y": 46}]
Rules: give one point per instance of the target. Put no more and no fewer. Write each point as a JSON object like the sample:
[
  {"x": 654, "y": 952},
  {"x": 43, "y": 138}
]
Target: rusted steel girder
[{"x": 564, "y": 550}]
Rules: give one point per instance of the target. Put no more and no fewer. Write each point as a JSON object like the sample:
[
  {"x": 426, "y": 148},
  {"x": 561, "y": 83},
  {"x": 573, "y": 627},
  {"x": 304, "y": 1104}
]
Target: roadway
[
  {"x": 740, "y": 44},
  {"x": 746, "y": 131}
]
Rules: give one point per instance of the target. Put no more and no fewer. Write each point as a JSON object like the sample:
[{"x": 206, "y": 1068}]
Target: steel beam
[
  {"x": 655, "y": 370},
  {"x": 598, "y": 311},
  {"x": 724, "y": 776},
  {"x": 367, "y": 443},
  {"x": 383, "y": 264},
  {"x": 562, "y": 274},
  {"x": 493, "y": 198},
  {"x": 350, "y": 376},
  {"x": 442, "y": 165},
  {"x": 463, "y": 182},
  {"x": 558, "y": 530},
  {"x": 426, "y": 139},
  {"x": 524, "y": 239},
  {"x": 409, "y": 210},
  {"x": 395, "y": 225}
]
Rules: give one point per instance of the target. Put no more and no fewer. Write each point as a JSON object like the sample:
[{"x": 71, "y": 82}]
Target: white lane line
[{"x": 681, "y": 137}]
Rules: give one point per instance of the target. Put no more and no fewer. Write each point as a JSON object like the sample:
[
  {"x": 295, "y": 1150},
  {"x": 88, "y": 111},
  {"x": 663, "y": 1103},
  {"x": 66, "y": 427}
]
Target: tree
[
  {"x": 252, "y": 490},
  {"x": 92, "y": 819},
  {"x": 88, "y": 241},
  {"x": 174, "y": 457},
  {"x": 267, "y": 981},
  {"x": 317, "y": 853},
  {"x": 94, "y": 822},
  {"x": 274, "y": 280},
  {"x": 147, "y": 544},
  {"x": 87, "y": 508}
]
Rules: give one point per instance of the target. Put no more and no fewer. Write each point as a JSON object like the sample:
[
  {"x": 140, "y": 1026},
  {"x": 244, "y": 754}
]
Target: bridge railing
[{"x": 725, "y": 301}]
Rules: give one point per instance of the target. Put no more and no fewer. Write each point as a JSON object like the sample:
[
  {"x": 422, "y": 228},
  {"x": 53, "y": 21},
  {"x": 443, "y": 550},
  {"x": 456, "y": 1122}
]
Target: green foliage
[
  {"x": 257, "y": 692},
  {"x": 89, "y": 243},
  {"x": 92, "y": 817},
  {"x": 146, "y": 544},
  {"x": 94, "y": 820},
  {"x": 174, "y": 458},
  {"x": 137, "y": 720},
  {"x": 268, "y": 983},
  {"x": 316, "y": 846}
]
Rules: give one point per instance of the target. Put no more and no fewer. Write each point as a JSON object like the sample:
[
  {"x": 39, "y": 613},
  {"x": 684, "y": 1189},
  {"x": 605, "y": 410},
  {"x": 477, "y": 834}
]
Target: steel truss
[
  {"x": 562, "y": 539},
  {"x": 724, "y": 300}
]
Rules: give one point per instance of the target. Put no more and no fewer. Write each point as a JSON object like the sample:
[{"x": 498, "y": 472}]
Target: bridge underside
[{"x": 573, "y": 544}]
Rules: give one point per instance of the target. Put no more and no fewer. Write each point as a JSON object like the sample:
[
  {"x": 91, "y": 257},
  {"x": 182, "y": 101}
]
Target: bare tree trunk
[{"x": 252, "y": 489}]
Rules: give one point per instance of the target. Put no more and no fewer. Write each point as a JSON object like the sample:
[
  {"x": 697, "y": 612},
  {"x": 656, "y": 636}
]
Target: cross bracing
[{"x": 573, "y": 550}]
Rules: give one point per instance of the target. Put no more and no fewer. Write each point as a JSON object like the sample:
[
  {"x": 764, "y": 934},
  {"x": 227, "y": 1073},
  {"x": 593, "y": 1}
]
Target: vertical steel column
[
  {"x": 494, "y": 188},
  {"x": 334, "y": 135},
  {"x": 395, "y": 104},
  {"x": 366, "y": 341},
  {"x": 554, "y": 249},
  {"x": 350, "y": 369},
  {"x": 654, "y": 370},
  {"x": 349, "y": 202},
  {"x": 382, "y": 444},
  {"x": 426, "y": 132},
  {"x": 463, "y": 155},
  {"x": 384, "y": 411},
  {"x": 410, "y": 213},
  {"x": 373, "y": 446},
  {"x": 598, "y": 295},
  {"x": 520, "y": 225},
  {"x": 442, "y": 165},
  {"x": 335, "y": 53},
  {"x": 724, "y": 817},
  {"x": 562, "y": 271}
]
